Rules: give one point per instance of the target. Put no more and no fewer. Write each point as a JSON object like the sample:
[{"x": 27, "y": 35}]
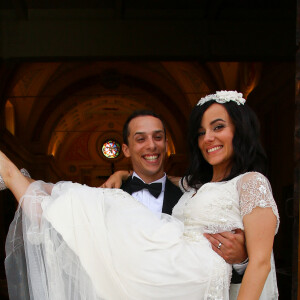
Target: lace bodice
[{"x": 221, "y": 206}]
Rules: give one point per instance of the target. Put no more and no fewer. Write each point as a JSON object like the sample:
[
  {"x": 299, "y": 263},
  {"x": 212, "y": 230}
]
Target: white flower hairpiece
[{"x": 223, "y": 97}]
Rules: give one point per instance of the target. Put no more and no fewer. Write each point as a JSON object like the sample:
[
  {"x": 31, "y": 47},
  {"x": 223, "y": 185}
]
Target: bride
[{"x": 92, "y": 243}]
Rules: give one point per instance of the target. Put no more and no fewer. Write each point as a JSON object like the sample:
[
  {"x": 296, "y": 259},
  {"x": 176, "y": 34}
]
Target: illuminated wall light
[{"x": 10, "y": 117}]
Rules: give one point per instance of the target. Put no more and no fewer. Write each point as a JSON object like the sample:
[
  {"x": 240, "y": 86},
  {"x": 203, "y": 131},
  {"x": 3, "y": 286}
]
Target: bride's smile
[{"x": 215, "y": 137}]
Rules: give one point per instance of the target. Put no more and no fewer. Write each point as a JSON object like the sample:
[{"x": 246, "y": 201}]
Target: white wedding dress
[{"x": 91, "y": 243}]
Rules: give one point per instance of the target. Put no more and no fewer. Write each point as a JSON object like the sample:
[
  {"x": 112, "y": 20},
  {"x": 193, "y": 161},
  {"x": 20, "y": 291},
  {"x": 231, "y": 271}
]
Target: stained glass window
[{"x": 111, "y": 149}]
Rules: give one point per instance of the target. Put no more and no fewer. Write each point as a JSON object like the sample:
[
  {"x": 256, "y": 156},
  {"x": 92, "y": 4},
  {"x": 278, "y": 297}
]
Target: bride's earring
[{"x": 2, "y": 184}]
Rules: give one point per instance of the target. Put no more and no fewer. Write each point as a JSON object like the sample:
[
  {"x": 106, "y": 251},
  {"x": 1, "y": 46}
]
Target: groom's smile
[{"x": 146, "y": 147}]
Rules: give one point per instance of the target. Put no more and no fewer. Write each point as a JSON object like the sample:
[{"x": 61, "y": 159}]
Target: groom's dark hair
[{"x": 139, "y": 113}]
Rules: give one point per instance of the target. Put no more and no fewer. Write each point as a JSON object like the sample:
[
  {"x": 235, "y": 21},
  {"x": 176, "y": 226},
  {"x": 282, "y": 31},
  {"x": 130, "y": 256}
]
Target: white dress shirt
[{"x": 144, "y": 196}]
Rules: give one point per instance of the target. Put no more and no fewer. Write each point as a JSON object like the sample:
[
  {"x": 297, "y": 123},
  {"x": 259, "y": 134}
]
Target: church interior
[{"x": 66, "y": 97}]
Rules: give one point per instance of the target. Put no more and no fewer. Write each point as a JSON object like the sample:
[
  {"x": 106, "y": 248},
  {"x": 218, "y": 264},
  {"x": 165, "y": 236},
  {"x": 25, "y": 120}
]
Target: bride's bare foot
[
  {"x": 8, "y": 170},
  {"x": 2, "y": 183},
  {"x": 12, "y": 177}
]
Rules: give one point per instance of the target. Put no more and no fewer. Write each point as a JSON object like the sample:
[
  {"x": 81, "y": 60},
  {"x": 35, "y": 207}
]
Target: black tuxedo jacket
[{"x": 171, "y": 196}]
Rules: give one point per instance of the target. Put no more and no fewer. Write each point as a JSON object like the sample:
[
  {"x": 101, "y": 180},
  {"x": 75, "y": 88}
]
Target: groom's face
[{"x": 147, "y": 146}]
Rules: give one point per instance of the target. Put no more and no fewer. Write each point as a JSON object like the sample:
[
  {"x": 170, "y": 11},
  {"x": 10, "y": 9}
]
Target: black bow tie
[{"x": 154, "y": 188}]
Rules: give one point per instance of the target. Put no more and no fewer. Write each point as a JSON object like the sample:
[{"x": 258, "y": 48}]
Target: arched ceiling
[
  {"x": 64, "y": 108},
  {"x": 46, "y": 95}
]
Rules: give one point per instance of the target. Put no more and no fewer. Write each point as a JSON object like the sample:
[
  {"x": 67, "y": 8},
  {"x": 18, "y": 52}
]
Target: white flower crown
[{"x": 223, "y": 97}]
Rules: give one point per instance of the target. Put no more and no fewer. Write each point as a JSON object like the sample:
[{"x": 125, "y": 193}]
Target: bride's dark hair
[{"x": 249, "y": 154}]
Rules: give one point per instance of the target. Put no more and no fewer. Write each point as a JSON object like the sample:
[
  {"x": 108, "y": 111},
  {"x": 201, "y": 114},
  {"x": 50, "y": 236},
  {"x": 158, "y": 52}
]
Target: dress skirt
[{"x": 91, "y": 243}]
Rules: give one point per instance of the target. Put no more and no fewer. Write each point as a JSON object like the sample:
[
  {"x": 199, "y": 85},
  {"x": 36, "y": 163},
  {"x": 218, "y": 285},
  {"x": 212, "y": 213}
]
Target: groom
[{"x": 145, "y": 143}]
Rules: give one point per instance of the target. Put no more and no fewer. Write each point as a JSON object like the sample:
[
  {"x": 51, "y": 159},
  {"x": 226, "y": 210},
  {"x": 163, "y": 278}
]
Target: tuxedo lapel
[
  {"x": 126, "y": 185},
  {"x": 171, "y": 197}
]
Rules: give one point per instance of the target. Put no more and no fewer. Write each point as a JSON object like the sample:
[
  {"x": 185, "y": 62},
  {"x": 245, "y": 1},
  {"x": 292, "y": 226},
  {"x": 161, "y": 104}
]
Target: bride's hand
[{"x": 115, "y": 180}]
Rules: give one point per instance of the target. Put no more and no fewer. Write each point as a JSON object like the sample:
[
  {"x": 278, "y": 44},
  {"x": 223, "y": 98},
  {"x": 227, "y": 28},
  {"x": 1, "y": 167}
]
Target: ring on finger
[{"x": 219, "y": 246}]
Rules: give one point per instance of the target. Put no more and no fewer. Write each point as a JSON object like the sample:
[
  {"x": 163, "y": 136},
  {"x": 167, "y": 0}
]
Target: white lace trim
[
  {"x": 220, "y": 282},
  {"x": 216, "y": 228},
  {"x": 255, "y": 191}
]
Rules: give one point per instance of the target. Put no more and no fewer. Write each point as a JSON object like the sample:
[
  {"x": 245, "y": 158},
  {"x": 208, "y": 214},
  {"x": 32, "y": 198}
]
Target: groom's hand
[
  {"x": 229, "y": 245},
  {"x": 115, "y": 180}
]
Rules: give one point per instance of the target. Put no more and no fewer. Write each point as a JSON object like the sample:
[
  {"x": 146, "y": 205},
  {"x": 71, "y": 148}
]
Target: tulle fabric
[
  {"x": 88, "y": 243},
  {"x": 39, "y": 263}
]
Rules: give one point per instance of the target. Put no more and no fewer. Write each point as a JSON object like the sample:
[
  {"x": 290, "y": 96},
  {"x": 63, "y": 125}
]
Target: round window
[{"x": 111, "y": 149}]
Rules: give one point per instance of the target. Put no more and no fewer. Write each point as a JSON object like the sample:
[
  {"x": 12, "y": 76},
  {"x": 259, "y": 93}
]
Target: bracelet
[{"x": 245, "y": 261}]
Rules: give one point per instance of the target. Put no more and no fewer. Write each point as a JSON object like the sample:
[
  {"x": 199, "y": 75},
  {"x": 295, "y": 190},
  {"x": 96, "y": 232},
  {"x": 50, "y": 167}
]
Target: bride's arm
[
  {"x": 260, "y": 227},
  {"x": 260, "y": 215}
]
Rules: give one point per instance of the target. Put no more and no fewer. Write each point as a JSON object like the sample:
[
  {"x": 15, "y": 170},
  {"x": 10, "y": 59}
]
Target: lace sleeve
[{"x": 255, "y": 191}]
